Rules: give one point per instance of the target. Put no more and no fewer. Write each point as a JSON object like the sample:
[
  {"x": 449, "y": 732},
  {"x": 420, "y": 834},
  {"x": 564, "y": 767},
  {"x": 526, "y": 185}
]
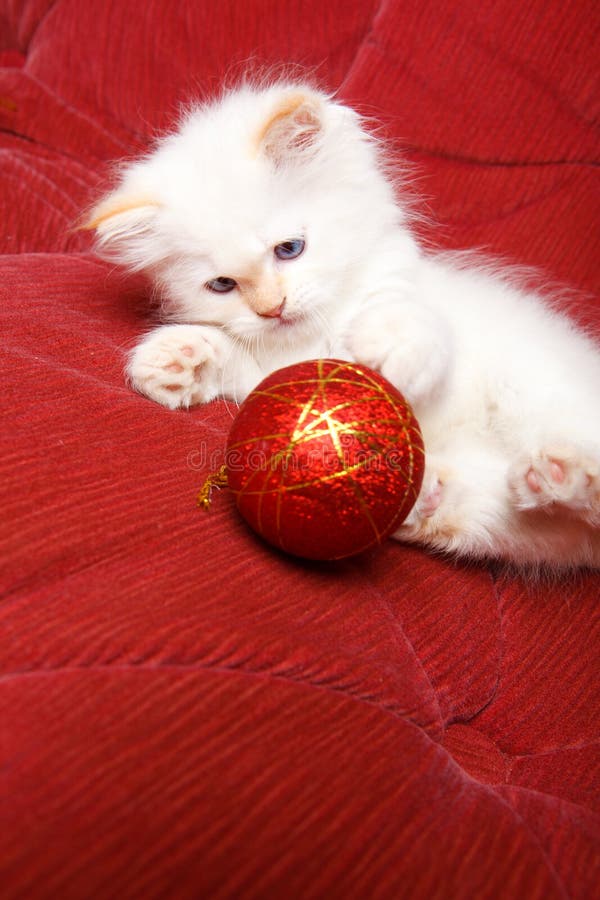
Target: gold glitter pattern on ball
[{"x": 332, "y": 440}]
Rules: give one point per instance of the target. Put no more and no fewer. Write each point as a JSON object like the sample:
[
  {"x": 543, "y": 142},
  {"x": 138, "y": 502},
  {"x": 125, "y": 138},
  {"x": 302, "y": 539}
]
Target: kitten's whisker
[
  {"x": 322, "y": 325},
  {"x": 236, "y": 345}
]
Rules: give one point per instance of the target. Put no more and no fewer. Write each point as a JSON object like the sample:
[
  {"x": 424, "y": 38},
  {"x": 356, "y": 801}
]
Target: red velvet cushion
[{"x": 183, "y": 712}]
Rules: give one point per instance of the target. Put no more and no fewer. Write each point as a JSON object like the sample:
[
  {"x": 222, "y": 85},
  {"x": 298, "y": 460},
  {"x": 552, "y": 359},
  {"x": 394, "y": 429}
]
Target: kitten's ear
[
  {"x": 123, "y": 222},
  {"x": 115, "y": 210},
  {"x": 292, "y": 129}
]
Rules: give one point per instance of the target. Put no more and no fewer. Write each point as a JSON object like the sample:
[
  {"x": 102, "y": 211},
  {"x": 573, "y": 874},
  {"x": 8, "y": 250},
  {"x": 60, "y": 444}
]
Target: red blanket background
[{"x": 183, "y": 712}]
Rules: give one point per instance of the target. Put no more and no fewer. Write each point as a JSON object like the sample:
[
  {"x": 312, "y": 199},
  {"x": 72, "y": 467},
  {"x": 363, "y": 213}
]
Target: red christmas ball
[{"x": 325, "y": 459}]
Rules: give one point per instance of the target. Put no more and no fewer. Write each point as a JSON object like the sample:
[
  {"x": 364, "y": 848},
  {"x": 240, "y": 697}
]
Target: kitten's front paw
[
  {"x": 558, "y": 476},
  {"x": 411, "y": 351},
  {"x": 175, "y": 366}
]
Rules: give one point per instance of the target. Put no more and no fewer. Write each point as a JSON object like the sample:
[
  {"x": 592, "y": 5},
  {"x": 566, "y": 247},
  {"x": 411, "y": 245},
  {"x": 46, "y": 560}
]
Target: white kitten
[{"x": 272, "y": 228}]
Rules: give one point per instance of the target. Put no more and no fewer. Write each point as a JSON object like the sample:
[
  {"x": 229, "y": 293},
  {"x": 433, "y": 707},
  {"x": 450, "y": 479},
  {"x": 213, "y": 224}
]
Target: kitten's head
[{"x": 256, "y": 215}]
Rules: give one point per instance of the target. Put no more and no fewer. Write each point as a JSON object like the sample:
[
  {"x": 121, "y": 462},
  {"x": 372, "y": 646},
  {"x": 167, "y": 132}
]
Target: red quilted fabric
[{"x": 185, "y": 713}]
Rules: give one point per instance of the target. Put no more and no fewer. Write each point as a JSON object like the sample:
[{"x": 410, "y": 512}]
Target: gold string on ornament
[{"x": 215, "y": 481}]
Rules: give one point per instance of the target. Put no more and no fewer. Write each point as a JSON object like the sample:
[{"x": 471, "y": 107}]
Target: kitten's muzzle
[{"x": 274, "y": 313}]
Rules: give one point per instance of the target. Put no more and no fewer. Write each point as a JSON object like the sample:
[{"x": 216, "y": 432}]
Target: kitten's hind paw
[
  {"x": 426, "y": 506},
  {"x": 558, "y": 476},
  {"x": 175, "y": 366}
]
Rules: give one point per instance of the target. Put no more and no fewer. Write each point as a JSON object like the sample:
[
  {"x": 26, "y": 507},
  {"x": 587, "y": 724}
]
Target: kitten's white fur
[{"x": 505, "y": 388}]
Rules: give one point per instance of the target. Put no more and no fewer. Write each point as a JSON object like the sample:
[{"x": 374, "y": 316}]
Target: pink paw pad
[
  {"x": 556, "y": 471},
  {"x": 561, "y": 477},
  {"x": 431, "y": 500},
  {"x": 533, "y": 482}
]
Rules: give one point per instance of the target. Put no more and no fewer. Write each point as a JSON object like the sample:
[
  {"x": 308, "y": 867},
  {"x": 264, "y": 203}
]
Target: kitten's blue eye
[
  {"x": 289, "y": 249},
  {"x": 221, "y": 285}
]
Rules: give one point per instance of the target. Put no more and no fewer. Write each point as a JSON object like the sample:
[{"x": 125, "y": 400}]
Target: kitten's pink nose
[{"x": 275, "y": 312}]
